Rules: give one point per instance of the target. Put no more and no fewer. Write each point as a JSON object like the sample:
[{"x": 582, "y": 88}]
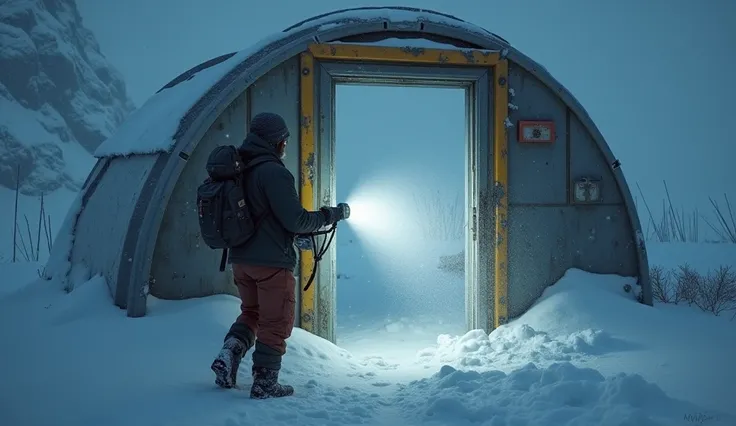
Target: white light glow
[
  {"x": 384, "y": 218},
  {"x": 371, "y": 213},
  {"x": 380, "y": 211}
]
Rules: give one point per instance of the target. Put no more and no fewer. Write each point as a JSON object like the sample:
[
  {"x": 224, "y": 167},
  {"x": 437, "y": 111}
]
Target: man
[{"x": 263, "y": 268}]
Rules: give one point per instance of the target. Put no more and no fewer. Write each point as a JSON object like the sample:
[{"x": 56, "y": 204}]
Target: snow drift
[{"x": 580, "y": 356}]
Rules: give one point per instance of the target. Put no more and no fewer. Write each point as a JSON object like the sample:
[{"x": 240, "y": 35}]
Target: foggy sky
[{"x": 655, "y": 75}]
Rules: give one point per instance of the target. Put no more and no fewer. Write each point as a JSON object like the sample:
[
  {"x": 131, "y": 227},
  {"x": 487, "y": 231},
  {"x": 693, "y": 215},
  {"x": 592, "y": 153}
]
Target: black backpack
[{"x": 225, "y": 219}]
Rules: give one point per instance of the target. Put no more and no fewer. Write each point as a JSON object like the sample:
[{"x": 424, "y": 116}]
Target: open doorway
[
  {"x": 388, "y": 213},
  {"x": 404, "y": 151}
]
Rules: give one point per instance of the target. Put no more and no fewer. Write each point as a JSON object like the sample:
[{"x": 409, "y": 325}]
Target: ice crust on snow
[
  {"x": 151, "y": 129},
  {"x": 560, "y": 394},
  {"x": 510, "y": 343}
]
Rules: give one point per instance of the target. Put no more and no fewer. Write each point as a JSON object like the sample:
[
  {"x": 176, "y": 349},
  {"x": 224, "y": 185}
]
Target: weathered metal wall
[
  {"x": 103, "y": 222},
  {"x": 548, "y": 233},
  {"x": 183, "y": 266},
  {"x": 278, "y": 92}
]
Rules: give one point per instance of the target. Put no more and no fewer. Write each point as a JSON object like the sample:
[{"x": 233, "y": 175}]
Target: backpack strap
[
  {"x": 257, "y": 161},
  {"x": 249, "y": 167},
  {"x": 223, "y": 260}
]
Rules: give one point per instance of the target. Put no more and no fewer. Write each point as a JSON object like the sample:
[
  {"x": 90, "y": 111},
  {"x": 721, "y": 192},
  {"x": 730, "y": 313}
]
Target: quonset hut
[{"x": 544, "y": 191}]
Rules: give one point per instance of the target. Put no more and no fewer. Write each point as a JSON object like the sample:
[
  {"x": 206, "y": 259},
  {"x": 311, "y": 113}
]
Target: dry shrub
[
  {"x": 687, "y": 284},
  {"x": 440, "y": 218},
  {"x": 717, "y": 292},
  {"x": 714, "y": 292},
  {"x": 661, "y": 284}
]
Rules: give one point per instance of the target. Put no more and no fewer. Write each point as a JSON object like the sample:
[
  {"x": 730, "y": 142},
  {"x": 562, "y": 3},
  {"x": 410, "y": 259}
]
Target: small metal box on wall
[{"x": 587, "y": 190}]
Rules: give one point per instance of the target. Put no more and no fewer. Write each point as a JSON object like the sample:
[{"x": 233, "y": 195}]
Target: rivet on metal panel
[
  {"x": 502, "y": 81},
  {"x": 469, "y": 56},
  {"x": 413, "y": 51},
  {"x": 498, "y": 193},
  {"x": 306, "y": 318},
  {"x": 306, "y": 71}
]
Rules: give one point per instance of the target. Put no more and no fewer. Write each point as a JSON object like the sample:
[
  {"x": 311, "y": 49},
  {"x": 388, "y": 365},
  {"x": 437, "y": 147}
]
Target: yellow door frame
[{"x": 416, "y": 56}]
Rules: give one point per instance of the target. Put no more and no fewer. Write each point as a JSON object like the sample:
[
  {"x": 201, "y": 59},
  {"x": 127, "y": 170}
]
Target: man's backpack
[{"x": 225, "y": 219}]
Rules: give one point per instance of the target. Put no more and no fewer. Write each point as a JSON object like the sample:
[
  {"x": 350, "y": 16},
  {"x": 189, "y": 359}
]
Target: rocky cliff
[{"x": 59, "y": 98}]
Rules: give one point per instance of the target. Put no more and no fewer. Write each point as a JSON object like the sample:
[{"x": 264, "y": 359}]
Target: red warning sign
[{"x": 536, "y": 131}]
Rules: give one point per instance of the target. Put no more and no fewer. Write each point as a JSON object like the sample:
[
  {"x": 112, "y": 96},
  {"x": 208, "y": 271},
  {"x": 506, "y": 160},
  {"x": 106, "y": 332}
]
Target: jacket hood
[{"x": 254, "y": 146}]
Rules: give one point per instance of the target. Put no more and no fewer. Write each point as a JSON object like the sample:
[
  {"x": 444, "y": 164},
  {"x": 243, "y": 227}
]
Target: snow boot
[
  {"x": 266, "y": 384},
  {"x": 227, "y": 362}
]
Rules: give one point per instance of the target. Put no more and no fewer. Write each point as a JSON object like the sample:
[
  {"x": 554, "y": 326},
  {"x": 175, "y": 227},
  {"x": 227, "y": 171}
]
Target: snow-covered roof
[
  {"x": 151, "y": 127},
  {"x": 393, "y": 14},
  {"x": 156, "y": 126}
]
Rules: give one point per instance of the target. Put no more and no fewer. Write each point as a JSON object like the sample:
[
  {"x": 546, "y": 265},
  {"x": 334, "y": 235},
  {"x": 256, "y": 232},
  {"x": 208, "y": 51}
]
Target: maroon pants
[{"x": 267, "y": 303}]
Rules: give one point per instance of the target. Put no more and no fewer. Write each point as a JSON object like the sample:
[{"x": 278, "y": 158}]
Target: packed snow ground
[{"x": 585, "y": 354}]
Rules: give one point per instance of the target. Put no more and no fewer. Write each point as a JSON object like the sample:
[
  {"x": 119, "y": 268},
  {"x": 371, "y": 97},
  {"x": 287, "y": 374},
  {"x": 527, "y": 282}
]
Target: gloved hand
[{"x": 333, "y": 214}]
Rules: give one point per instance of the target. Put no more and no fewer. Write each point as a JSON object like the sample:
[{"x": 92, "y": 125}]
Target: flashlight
[{"x": 344, "y": 210}]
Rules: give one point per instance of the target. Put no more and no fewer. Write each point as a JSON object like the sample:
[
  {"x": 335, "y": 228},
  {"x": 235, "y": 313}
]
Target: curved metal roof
[{"x": 235, "y": 72}]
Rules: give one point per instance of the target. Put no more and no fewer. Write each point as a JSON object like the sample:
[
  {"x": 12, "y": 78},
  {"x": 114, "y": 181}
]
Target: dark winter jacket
[{"x": 271, "y": 194}]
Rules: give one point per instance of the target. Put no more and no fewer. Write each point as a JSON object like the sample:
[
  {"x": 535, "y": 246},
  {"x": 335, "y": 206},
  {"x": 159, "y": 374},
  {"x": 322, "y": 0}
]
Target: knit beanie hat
[{"x": 270, "y": 127}]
